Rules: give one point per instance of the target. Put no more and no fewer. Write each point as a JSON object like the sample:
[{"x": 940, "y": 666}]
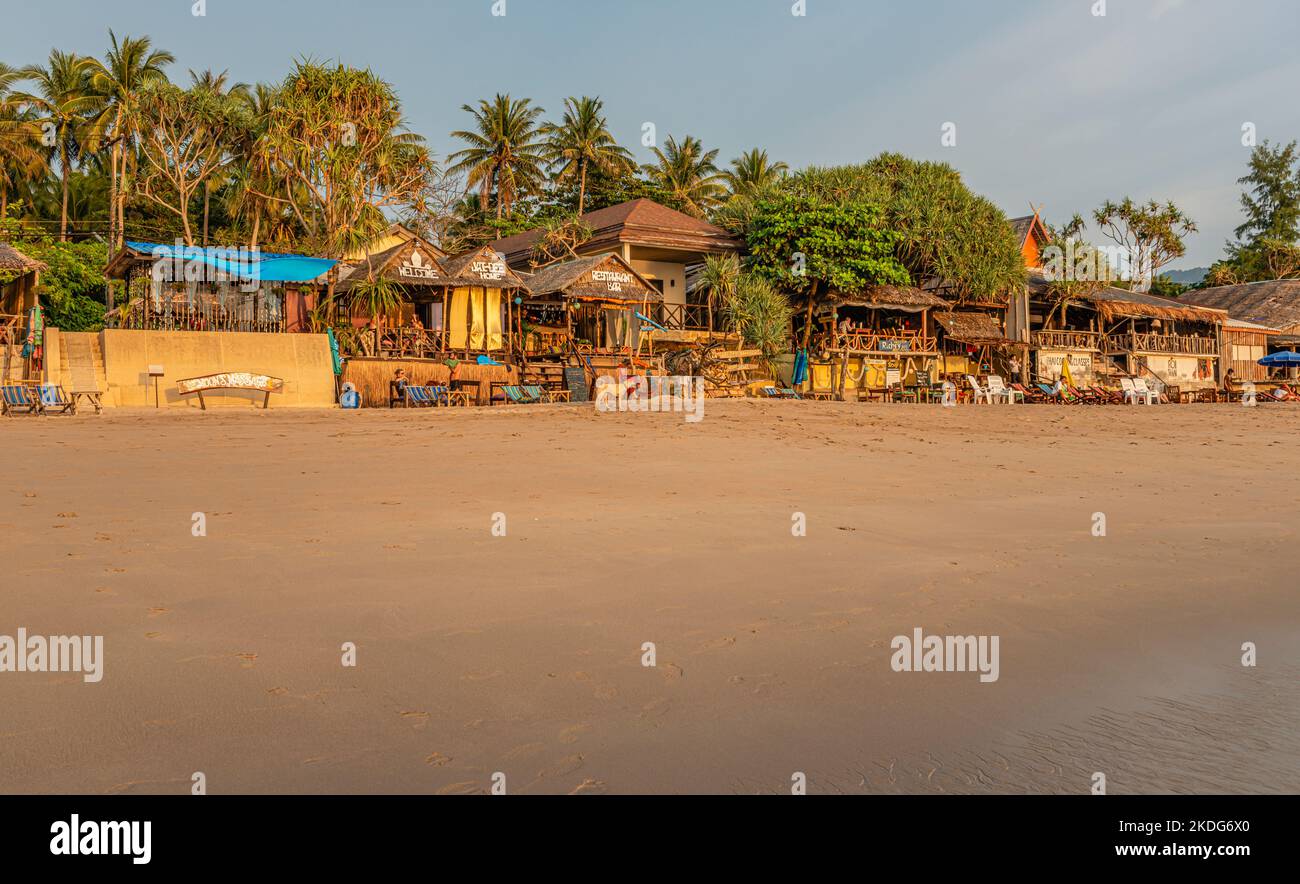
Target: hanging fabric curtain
[
  {"x": 458, "y": 319},
  {"x": 477, "y": 318},
  {"x": 495, "y": 340}
]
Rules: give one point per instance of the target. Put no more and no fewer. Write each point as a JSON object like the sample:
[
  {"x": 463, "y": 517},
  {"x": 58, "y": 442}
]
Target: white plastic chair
[
  {"x": 998, "y": 388},
  {"x": 1149, "y": 396},
  {"x": 980, "y": 392}
]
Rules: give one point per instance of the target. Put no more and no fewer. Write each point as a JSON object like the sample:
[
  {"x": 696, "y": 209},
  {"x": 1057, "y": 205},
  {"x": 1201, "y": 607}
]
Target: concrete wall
[
  {"x": 302, "y": 360},
  {"x": 673, "y": 276}
]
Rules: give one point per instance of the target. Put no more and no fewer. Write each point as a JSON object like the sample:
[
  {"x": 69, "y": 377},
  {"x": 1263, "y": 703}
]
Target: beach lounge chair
[
  {"x": 1084, "y": 395},
  {"x": 999, "y": 389},
  {"x": 1104, "y": 396},
  {"x": 790, "y": 393},
  {"x": 537, "y": 393},
  {"x": 19, "y": 399},
  {"x": 418, "y": 397},
  {"x": 517, "y": 395},
  {"x": 1031, "y": 394},
  {"x": 438, "y": 395},
  {"x": 978, "y": 391},
  {"x": 771, "y": 393},
  {"x": 55, "y": 400}
]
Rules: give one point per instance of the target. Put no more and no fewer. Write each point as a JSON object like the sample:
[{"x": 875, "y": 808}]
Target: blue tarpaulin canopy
[
  {"x": 1285, "y": 357},
  {"x": 243, "y": 264}
]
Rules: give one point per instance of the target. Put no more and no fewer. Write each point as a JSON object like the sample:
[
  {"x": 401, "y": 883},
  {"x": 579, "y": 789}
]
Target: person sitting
[{"x": 397, "y": 387}]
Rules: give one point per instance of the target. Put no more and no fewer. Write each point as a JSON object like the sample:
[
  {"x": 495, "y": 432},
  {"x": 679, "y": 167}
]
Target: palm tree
[
  {"x": 127, "y": 68},
  {"x": 504, "y": 153},
  {"x": 687, "y": 173},
  {"x": 582, "y": 142},
  {"x": 252, "y": 168},
  {"x": 753, "y": 171},
  {"x": 63, "y": 101},
  {"x": 21, "y": 157},
  {"x": 218, "y": 84}
]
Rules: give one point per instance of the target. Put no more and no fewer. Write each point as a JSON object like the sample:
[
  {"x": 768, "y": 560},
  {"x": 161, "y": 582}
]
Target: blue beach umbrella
[{"x": 1285, "y": 357}]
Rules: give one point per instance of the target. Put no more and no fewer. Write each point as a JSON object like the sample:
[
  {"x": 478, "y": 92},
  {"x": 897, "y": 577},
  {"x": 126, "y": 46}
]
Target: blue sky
[{"x": 1052, "y": 104}]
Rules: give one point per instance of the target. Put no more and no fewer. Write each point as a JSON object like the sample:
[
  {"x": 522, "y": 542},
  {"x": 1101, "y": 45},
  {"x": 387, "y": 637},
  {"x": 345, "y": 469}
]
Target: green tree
[
  {"x": 582, "y": 142},
  {"x": 1150, "y": 235},
  {"x": 1271, "y": 201},
  {"x": 753, "y": 171},
  {"x": 505, "y": 153},
  {"x": 128, "y": 66},
  {"x": 811, "y": 247},
  {"x": 185, "y": 136},
  {"x": 688, "y": 173},
  {"x": 21, "y": 156},
  {"x": 945, "y": 232},
  {"x": 63, "y": 101}
]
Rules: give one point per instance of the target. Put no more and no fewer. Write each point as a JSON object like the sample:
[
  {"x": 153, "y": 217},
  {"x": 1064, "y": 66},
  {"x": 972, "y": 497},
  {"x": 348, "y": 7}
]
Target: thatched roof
[
  {"x": 12, "y": 259},
  {"x": 413, "y": 262},
  {"x": 891, "y": 297},
  {"x": 461, "y": 270},
  {"x": 971, "y": 327},
  {"x": 573, "y": 279},
  {"x": 1113, "y": 303},
  {"x": 1274, "y": 302}
]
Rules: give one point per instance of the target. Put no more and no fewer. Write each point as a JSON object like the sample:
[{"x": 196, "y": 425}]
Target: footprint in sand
[
  {"x": 655, "y": 708},
  {"x": 152, "y": 634},
  {"x": 482, "y": 676},
  {"x": 562, "y": 767},
  {"x": 527, "y": 750},
  {"x": 277, "y": 692},
  {"x": 671, "y": 671},
  {"x": 66, "y": 515},
  {"x": 246, "y": 660},
  {"x": 589, "y": 787},
  {"x": 158, "y": 612},
  {"x": 718, "y": 644},
  {"x": 436, "y": 759},
  {"x": 574, "y": 733},
  {"x": 469, "y": 787},
  {"x": 605, "y": 692},
  {"x": 101, "y": 537},
  {"x": 419, "y": 719}
]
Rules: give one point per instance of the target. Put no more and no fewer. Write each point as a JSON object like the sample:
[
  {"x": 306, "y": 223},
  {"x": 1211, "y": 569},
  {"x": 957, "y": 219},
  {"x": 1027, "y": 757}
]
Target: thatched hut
[{"x": 588, "y": 304}]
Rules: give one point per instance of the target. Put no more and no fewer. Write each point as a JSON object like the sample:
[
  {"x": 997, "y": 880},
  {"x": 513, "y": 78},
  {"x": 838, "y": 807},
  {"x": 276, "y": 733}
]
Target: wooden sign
[
  {"x": 575, "y": 378},
  {"x": 417, "y": 267}
]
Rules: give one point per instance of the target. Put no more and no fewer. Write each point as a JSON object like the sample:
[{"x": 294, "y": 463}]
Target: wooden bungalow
[
  {"x": 460, "y": 307},
  {"x": 19, "y": 278},
  {"x": 187, "y": 288},
  {"x": 587, "y": 307},
  {"x": 855, "y": 340},
  {"x": 1264, "y": 315},
  {"x": 661, "y": 245},
  {"x": 1107, "y": 333},
  {"x": 975, "y": 343}
]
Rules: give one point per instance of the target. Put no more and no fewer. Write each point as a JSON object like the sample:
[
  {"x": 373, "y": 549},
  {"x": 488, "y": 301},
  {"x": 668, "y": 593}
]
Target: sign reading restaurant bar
[{"x": 613, "y": 280}]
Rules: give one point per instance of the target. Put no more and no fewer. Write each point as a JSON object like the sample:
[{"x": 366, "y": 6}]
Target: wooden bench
[{"x": 231, "y": 380}]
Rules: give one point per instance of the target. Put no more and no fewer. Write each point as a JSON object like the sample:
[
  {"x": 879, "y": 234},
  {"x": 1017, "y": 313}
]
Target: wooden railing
[
  {"x": 257, "y": 316},
  {"x": 684, "y": 317},
  {"x": 883, "y": 342},
  {"x": 1067, "y": 339},
  {"x": 1192, "y": 345},
  {"x": 409, "y": 343}
]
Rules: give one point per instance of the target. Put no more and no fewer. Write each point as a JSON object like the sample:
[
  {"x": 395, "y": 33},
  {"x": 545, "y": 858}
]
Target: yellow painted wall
[
  {"x": 302, "y": 360},
  {"x": 673, "y": 276}
]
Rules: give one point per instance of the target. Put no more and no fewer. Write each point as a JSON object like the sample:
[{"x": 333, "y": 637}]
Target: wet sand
[{"x": 522, "y": 654}]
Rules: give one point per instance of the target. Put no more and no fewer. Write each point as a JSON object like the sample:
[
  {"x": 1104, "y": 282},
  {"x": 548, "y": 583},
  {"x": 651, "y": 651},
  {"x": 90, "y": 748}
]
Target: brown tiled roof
[
  {"x": 639, "y": 222},
  {"x": 1274, "y": 302},
  {"x": 12, "y": 259}
]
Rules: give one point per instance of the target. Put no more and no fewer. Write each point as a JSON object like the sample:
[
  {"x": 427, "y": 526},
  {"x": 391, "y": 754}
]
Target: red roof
[{"x": 639, "y": 222}]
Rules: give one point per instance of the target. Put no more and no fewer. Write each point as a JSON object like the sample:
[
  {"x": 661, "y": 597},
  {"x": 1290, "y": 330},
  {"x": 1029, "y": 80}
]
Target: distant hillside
[{"x": 1187, "y": 277}]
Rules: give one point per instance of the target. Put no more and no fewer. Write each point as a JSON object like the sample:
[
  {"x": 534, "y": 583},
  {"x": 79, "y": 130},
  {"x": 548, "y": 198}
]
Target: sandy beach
[{"x": 522, "y": 654}]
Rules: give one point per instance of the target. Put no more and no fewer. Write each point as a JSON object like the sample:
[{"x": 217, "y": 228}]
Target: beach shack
[
  {"x": 860, "y": 340},
  {"x": 661, "y": 245},
  {"x": 1107, "y": 333},
  {"x": 587, "y": 307},
  {"x": 1264, "y": 316},
  {"x": 190, "y": 288},
  {"x": 19, "y": 278}
]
